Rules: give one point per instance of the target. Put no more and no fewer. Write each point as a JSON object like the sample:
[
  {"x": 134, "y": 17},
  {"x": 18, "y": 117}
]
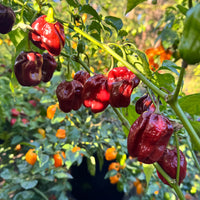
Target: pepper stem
[{"x": 50, "y": 15}]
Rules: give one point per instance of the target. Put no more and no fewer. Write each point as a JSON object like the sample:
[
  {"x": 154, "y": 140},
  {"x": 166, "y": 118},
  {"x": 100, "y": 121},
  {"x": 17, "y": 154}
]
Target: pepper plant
[{"x": 87, "y": 77}]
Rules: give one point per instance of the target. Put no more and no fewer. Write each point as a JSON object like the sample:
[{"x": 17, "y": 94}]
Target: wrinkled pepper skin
[
  {"x": 148, "y": 137},
  {"x": 189, "y": 46},
  {"x": 95, "y": 93},
  {"x": 121, "y": 82},
  {"x": 81, "y": 76},
  {"x": 48, "y": 67},
  {"x": 69, "y": 94},
  {"x": 143, "y": 104},
  {"x": 49, "y": 36},
  {"x": 168, "y": 162},
  {"x": 7, "y": 19},
  {"x": 28, "y": 68}
]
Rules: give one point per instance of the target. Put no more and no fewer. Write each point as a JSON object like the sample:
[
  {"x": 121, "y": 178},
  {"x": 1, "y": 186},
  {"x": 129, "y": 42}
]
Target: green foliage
[{"x": 93, "y": 133}]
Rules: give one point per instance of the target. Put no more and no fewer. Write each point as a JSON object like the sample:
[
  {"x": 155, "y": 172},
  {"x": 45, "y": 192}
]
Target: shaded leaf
[
  {"x": 115, "y": 22},
  {"x": 169, "y": 65},
  {"x": 73, "y": 3},
  {"x": 91, "y": 163},
  {"x": 25, "y": 195},
  {"x": 29, "y": 184}
]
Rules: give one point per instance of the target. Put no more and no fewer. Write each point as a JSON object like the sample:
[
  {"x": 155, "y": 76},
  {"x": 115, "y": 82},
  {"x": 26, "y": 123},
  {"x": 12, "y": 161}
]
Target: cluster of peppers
[
  {"x": 31, "y": 67},
  {"x": 148, "y": 139},
  {"x": 98, "y": 91},
  {"x": 150, "y": 133}
]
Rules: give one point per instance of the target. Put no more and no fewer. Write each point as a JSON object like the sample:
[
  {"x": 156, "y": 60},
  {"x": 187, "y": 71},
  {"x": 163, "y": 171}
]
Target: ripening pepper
[
  {"x": 143, "y": 104},
  {"x": 168, "y": 162},
  {"x": 95, "y": 93},
  {"x": 49, "y": 36},
  {"x": 7, "y": 19},
  {"x": 48, "y": 67},
  {"x": 121, "y": 82},
  {"x": 148, "y": 137},
  {"x": 189, "y": 46},
  {"x": 28, "y": 68},
  {"x": 69, "y": 94},
  {"x": 81, "y": 76}
]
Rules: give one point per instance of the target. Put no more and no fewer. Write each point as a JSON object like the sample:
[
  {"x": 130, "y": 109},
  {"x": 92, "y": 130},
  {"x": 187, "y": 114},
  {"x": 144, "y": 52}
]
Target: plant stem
[
  {"x": 78, "y": 60},
  {"x": 180, "y": 80},
  {"x": 124, "y": 121},
  {"x": 40, "y": 193},
  {"x": 193, "y": 154},
  {"x": 120, "y": 59},
  {"x": 172, "y": 183},
  {"x": 193, "y": 135},
  {"x": 178, "y": 158}
]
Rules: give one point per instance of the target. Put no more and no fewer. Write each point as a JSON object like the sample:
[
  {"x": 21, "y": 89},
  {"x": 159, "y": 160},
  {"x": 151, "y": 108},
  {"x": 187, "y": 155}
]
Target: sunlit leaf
[
  {"x": 190, "y": 104},
  {"x": 132, "y": 4}
]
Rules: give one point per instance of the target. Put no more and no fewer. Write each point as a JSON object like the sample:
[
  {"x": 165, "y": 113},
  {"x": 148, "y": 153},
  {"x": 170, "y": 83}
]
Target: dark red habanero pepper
[
  {"x": 168, "y": 162},
  {"x": 48, "y": 67},
  {"x": 28, "y": 68},
  {"x": 143, "y": 104},
  {"x": 121, "y": 82},
  {"x": 69, "y": 94},
  {"x": 95, "y": 93},
  {"x": 49, "y": 36},
  {"x": 7, "y": 19},
  {"x": 148, "y": 137},
  {"x": 81, "y": 76}
]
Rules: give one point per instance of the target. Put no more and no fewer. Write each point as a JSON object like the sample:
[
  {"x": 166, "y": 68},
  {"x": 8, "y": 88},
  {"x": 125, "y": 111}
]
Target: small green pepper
[{"x": 189, "y": 46}]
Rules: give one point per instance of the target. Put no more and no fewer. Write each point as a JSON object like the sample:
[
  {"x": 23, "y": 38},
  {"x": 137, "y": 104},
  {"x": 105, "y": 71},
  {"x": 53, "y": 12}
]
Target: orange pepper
[
  {"x": 111, "y": 153},
  {"x": 58, "y": 161},
  {"x": 61, "y": 134},
  {"x": 31, "y": 157}
]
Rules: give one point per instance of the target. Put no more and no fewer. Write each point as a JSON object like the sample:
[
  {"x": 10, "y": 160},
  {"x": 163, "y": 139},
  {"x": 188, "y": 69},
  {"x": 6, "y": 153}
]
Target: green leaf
[
  {"x": 148, "y": 170},
  {"x": 16, "y": 139},
  {"x": 169, "y": 65},
  {"x": 196, "y": 126},
  {"x": 58, "y": 117},
  {"x": 25, "y": 195},
  {"x": 73, "y": 3},
  {"x": 43, "y": 159},
  {"x": 90, "y": 10},
  {"x": 100, "y": 157},
  {"x": 166, "y": 81},
  {"x": 190, "y": 104},
  {"x": 110, "y": 173},
  {"x": 29, "y": 184},
  {"x": 182, "y": 9},
  {"x": 152, "y": 188},
  {"x": 63, "y": 196},
  {"x": 91, "y": 163},
  {"x": 115, "y": 22},
  {"x": 132, "y": 4},
  {"x": 17, "y": 36},
  {"x": 6, "y": 174},
  {"x": 61, "y": 175}
]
